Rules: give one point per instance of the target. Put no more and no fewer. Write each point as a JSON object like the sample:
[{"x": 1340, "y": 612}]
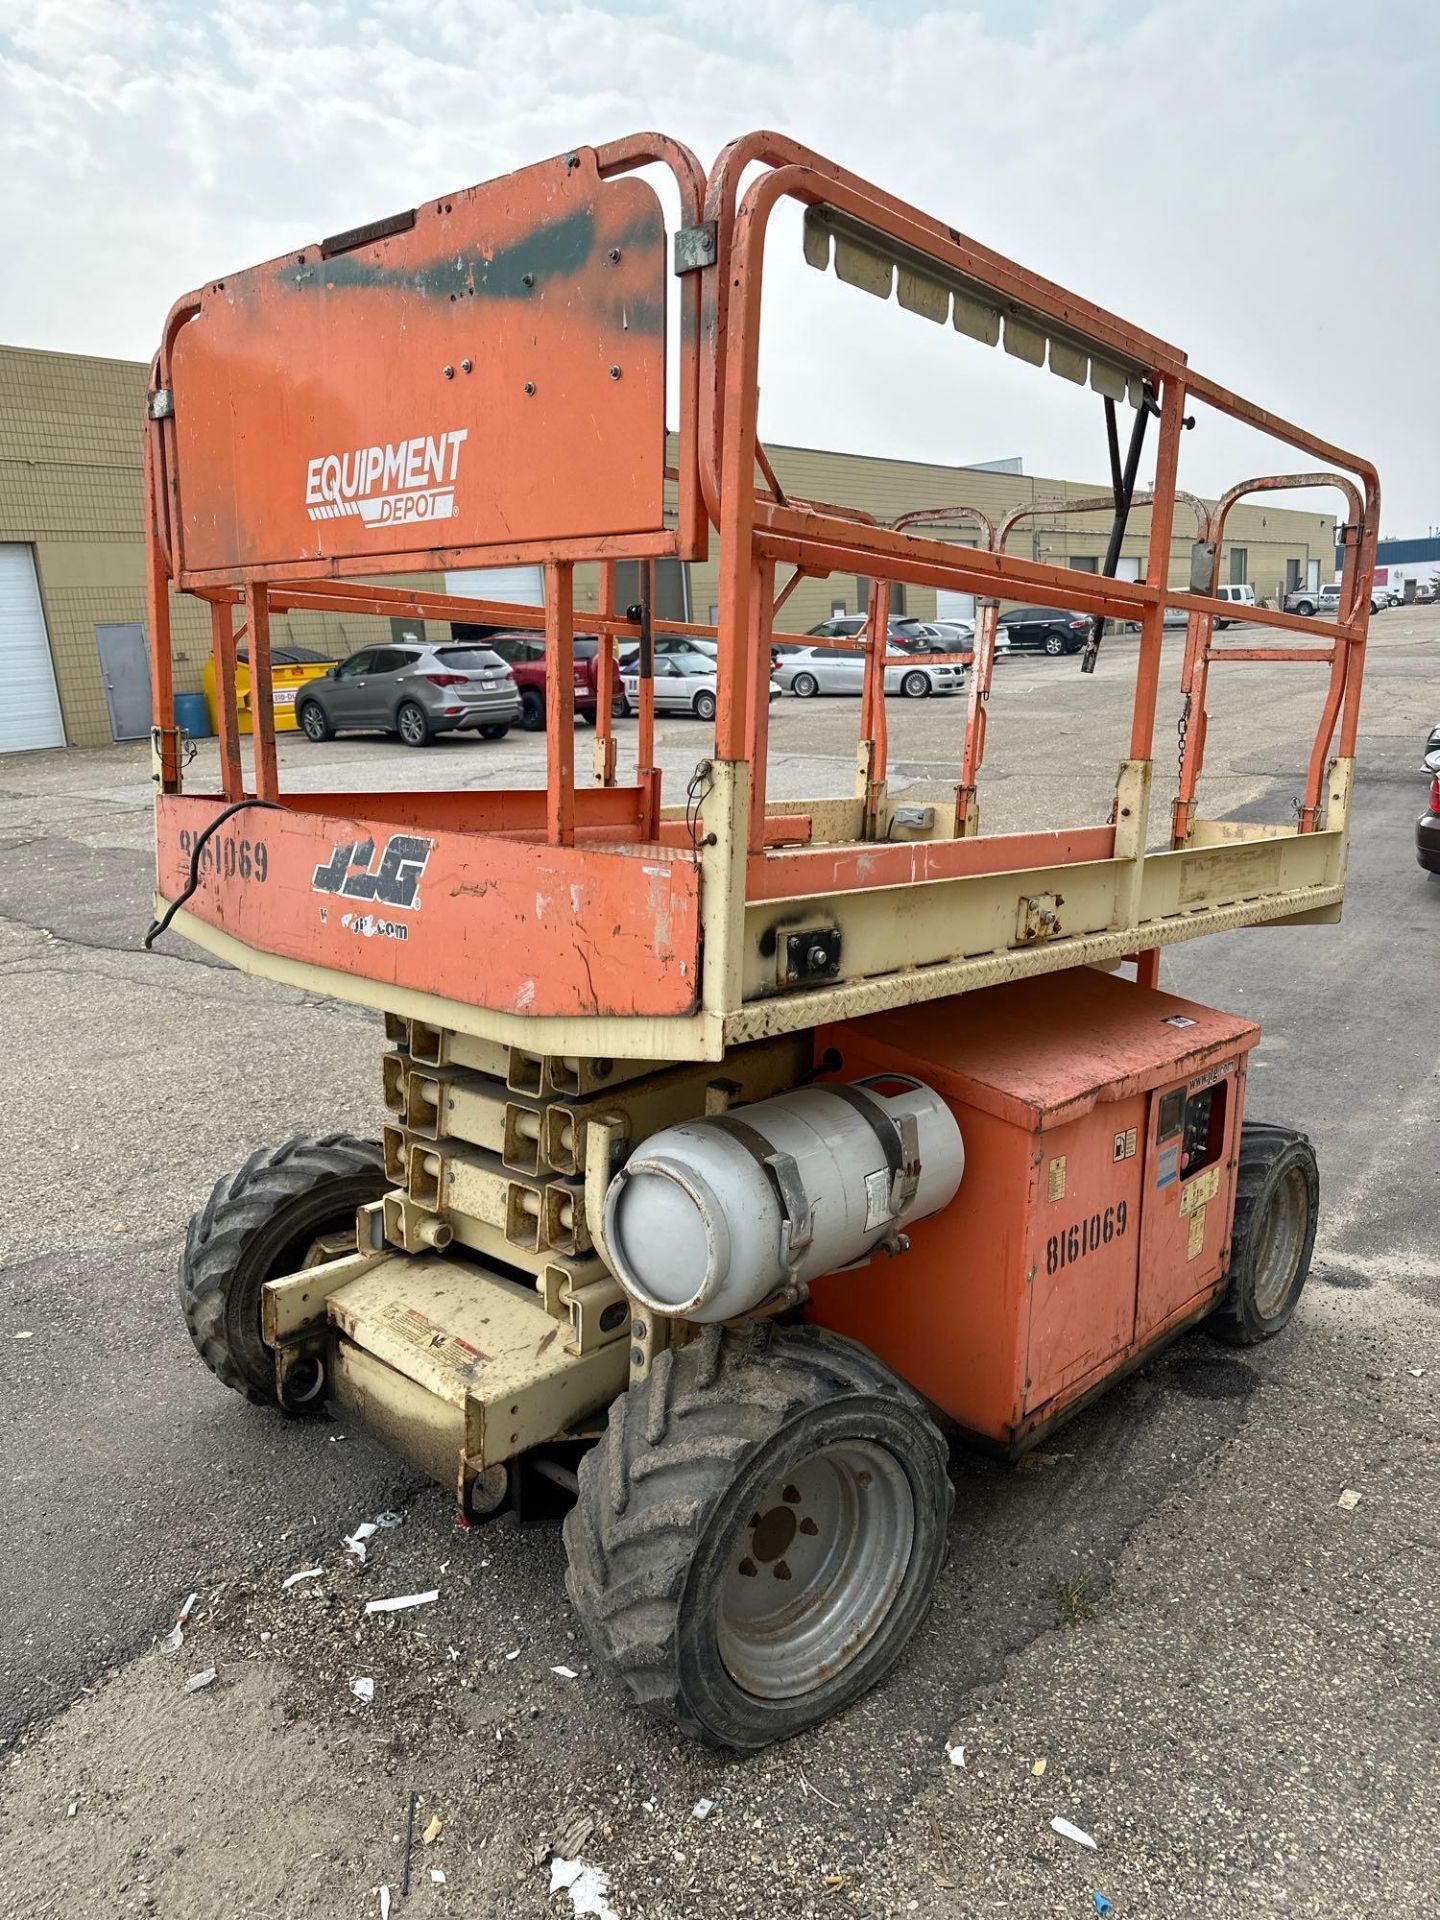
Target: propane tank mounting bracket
[{"x": 780, "y": 1169}]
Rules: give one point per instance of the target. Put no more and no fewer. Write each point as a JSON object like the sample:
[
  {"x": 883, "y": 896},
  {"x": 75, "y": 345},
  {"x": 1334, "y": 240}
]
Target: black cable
[{"x": 157, "y": 927}]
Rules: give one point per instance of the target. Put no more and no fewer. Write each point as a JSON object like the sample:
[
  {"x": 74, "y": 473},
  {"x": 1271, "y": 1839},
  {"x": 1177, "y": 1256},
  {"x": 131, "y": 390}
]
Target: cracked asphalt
[{"x": 1165, "y": 1630}]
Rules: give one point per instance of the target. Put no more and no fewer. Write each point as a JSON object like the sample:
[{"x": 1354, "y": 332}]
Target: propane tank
[{"x": 711, "y": 1218}]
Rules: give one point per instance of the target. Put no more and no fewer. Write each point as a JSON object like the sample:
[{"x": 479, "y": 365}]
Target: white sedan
[
  {"x": 806, "y": 671},
  {"x": 684, "y": 683}
]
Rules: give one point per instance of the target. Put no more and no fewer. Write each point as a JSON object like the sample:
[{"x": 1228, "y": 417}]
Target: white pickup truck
[{"x": 1308, "y": 600}]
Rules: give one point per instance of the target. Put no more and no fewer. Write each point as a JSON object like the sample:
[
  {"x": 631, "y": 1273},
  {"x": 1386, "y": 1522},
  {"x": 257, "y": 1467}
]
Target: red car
[{"x": 524, "y": 654}]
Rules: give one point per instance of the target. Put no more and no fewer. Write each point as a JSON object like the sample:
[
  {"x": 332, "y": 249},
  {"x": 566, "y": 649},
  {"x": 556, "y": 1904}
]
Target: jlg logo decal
[{"x": 395, "y": 882}]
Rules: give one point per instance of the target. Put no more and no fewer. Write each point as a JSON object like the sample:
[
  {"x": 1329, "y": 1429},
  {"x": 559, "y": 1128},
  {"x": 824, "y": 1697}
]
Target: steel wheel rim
[
  {"x": 815, "y": 1570},
  {"x": 411, "y": 725},
  {"x": 1287, "y": 1219}
]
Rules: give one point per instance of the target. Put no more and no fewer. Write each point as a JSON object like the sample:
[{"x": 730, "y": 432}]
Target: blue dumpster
[{"x": 192, "y": 715}]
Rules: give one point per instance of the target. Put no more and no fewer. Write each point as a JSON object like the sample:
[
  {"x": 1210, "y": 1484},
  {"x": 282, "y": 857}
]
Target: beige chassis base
[{"x": 479, "y": 1318}]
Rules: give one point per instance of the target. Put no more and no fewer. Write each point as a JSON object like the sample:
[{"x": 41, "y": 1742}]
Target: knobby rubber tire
[
  {"x": 259, "y": 1223},
  {"x": 666, "y": 1493},
  {"x": 1268, "y": 1156}
]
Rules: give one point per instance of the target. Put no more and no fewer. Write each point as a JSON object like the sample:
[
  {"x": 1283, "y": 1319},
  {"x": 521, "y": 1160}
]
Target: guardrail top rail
[{"x": 481, "y": 382}]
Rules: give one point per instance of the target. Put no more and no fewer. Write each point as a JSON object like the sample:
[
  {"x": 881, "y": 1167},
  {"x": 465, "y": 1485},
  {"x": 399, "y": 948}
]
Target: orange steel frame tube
[{"x": 758, "y": 527}]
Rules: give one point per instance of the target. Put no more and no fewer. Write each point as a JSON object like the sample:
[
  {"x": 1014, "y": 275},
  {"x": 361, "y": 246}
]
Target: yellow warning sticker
[
  {"x": 1196, "y": 1242},
  {"x": 1057, "y": 1177},
  {"x": 1197, "y": 1193}
]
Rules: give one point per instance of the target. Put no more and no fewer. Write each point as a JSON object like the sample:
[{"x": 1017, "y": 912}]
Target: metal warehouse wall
[{"x": 70, "y": 486}]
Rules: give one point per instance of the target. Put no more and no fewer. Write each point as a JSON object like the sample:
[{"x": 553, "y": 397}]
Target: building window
[
  {"x": 1084, "y": 563},
  {"x": 1239, "y": 566},
  {"x": 672, "y": 588},
  {"x": 862, "y": 595}
]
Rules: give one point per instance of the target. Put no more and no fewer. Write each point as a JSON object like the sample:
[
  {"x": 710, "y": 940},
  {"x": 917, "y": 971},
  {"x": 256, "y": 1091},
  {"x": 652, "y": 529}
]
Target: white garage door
[
  {"x": 29, "y": 704},
  {"x": 955, "y": 606},
  {"x": 524, "y": 586}
]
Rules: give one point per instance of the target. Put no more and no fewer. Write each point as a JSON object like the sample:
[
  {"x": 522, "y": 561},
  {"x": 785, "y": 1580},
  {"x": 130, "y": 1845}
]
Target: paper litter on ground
[
  {"x": 1071, "y": 1833},
  {"x": 363, "y": 1689},
  {"x": 402, "y": 1600},
  {"x": 199, "y": 1680},
  {"x": 566, "y": 1673},
  {"x": 956, "y": 1756},
  {"x": 437, "y": 1876},
  {"x": 702, "y": 1809},
  {"x": 384, "y": 1903},
  {"x": 306, "y": 1573},
  {"x": 588, "y": 1887},
  {"x": 1349, "y": 1500},
  {"x": 433, "y": 1830}
]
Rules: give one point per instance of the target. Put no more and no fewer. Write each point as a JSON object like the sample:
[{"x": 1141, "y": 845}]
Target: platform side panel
[
  {"x": 513, "y": 927},
  {"x": 492, "y": 374}
]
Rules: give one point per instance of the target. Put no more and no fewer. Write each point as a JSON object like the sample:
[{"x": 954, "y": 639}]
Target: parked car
[
  {"x": 1049, "y": 628},
  {"x": 1238, "y": 593},
  {"x": 1427, "y": 827},
  {"x": 684, "y": 683},
  {"x": 845, "y": 626},
  {"x": 1308, "y": 600},
  {"x": 287, "y": 656},
  {"x": 935, "y": 636},
  {"x": 525, "y": 654},
  {"x": 414, "y": 691},
  {"x": 810, "y": 670}
]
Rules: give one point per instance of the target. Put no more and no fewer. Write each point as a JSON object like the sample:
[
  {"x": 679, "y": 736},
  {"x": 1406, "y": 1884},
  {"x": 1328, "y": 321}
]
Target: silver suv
[{"x": 414, "y": 690}]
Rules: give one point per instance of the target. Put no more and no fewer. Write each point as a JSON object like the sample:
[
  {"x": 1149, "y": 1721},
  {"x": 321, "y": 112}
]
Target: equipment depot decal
[
  {"x": 353, "y": 873},
  {"x": 386, "y": 486}
]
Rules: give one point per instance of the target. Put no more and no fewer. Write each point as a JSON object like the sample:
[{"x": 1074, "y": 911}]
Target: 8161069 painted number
[
  {"x": 229, "y": 855},
  {"x": 1094, "y": 1230}
]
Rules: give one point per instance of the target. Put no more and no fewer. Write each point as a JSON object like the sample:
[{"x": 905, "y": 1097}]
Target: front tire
[
  {"x": 259, "y": 1223},
  {"x": 314, "y": 723},
  {"x": 915, "y": 686},
  {"x": 759, "y": 1533},
  {"x": 704, "y": 704},
  {"x": 805, "y": 686},
  {"x": 412, "y": 723},
  {"x": 1277, "y": 1204}
]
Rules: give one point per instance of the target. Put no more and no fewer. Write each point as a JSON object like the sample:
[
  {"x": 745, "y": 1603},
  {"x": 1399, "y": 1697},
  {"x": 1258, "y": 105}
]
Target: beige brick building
[{"x": 72, "y": 550}]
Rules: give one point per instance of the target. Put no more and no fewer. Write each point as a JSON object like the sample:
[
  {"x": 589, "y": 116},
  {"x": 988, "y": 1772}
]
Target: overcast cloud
[{"x": 1255, "y": 180}]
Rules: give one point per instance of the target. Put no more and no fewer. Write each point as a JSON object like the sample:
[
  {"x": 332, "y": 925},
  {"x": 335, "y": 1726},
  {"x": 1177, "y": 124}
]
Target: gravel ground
[{"x": 1165, "y": 1628}]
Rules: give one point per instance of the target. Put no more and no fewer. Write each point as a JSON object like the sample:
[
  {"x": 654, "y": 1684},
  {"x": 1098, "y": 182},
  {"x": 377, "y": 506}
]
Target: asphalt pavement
[{"x": 1166, "y": 1629}]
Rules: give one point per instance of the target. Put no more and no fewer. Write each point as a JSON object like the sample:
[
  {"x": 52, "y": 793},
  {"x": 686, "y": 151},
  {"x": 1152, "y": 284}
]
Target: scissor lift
[{"x": 586, "y": 988}]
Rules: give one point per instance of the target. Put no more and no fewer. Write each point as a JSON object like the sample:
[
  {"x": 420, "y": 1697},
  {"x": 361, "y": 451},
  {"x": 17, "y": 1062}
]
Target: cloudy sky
[{"x": 1256, "y": 180}]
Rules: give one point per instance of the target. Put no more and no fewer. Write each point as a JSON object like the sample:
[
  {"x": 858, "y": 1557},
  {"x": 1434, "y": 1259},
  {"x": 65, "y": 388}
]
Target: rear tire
[
  {"x": 704, "y": 704},
  {"x": 1054, "y": 645},
  {"x": 259, "y": 1223},
  {"x": 805, "y": 686},
  {"x": 1277, "y": 1203},
  {"x": 1305, "y": 609},
  {"x": 313, "y": 722},
  {"x": 759, "y": 1533},
  {"x": 532, "y": 711},
  {"x": 412, "y": 723},
  {"x": 619, "y": 707},
  {"x": 915, "y": 686},
  {"x": 495, "y": 733}
]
